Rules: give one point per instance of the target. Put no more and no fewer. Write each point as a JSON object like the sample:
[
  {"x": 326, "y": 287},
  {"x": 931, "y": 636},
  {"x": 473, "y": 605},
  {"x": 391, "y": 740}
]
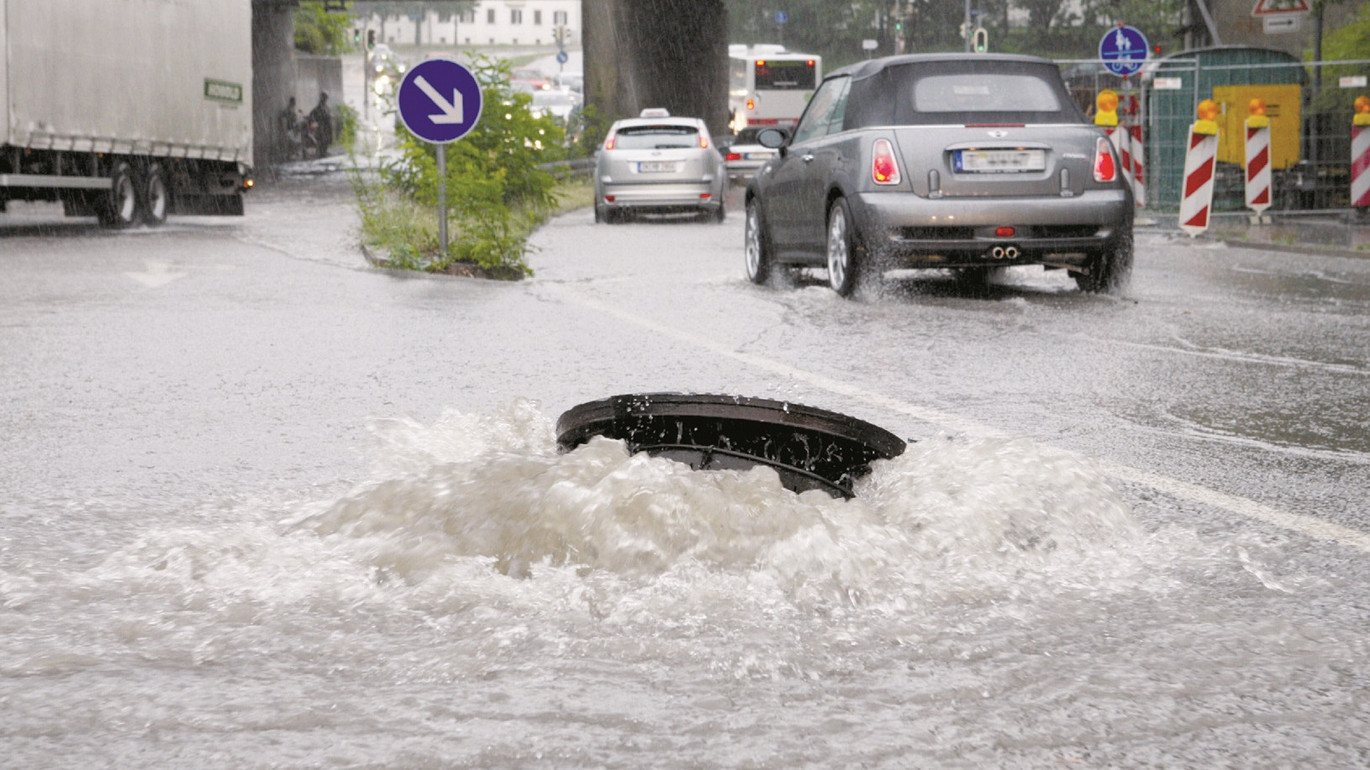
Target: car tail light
[
  {"x": 703, "y": 142},
  {"x": 734, "y": 156},
  {"x": 751, "y": 104},
  {"x": 609, "y": 143},
  {"x": 1004, "y": 232},
  {"x": 1105, "y": 170},
  {"x": 884, "y": 168}
]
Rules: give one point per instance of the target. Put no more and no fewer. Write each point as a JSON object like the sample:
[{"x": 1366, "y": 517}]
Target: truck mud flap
[{"x": 809, "y": 448}]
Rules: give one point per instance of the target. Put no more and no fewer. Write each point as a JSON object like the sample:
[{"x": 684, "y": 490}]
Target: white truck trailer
[{"x": 126, "y": 110}]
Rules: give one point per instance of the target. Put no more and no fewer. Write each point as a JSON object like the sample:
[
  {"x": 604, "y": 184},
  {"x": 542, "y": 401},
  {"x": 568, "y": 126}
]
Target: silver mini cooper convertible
[{"x": 966, "y": 162}]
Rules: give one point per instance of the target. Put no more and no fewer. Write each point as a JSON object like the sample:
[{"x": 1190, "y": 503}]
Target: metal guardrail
[{"x": 570, "y": 169}]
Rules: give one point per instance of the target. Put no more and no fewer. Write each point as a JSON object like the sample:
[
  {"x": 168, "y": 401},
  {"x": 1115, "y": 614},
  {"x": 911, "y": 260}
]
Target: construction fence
[{"x": 1310, "y": 106}]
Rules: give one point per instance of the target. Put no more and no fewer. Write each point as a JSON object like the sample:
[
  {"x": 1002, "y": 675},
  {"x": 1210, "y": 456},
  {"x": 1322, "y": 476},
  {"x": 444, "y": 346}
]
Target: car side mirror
[{"x": 772, "y": 138}]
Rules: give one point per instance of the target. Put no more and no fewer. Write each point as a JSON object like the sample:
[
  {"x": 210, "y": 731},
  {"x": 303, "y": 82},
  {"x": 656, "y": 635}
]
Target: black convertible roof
[{"x": 866, "y": 69}]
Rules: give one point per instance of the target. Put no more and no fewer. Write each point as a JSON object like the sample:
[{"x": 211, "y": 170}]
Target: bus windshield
[{"x": 785, "y": 74}]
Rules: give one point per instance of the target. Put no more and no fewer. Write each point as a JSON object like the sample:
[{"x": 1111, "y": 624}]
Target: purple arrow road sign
[{"x": 439, "y": 100}]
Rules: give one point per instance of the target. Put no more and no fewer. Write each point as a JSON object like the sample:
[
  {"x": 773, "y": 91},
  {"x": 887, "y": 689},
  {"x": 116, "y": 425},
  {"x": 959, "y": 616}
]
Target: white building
[{"x": 489, "y": 23}]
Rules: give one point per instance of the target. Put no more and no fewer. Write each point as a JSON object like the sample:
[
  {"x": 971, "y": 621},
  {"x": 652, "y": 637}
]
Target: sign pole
[
  {"x": 440, "y": 102},
  {"x": 442, "y": 199}
]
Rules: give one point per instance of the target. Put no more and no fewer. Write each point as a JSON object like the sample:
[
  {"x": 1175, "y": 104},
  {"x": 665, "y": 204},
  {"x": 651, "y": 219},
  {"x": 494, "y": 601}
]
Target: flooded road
[{"x": 267, "y": 507}]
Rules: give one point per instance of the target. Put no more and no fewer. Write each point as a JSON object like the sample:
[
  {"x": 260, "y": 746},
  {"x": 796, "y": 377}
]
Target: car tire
[
  {"x": 846, "y": 257},
  {"x": 119, "y": 209},
  {"x": 154, "y": 199},
  {"x": 756, "y": 245},
  {"x": 1110, "y": 268}
]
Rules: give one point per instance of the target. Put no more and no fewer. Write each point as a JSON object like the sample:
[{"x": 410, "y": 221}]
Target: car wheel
[
  {"x": 846, "y": 257},
  {"x": 120, "y": 207},
  {"x": 154, "y": 199},
  {"x": 756, "y": 245},
  {"x": 1109, "y": 269}
]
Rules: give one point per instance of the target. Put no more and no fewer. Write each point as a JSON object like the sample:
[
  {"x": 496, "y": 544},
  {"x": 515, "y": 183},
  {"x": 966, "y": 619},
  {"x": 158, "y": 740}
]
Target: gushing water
[{"x": 485, "y": 601}]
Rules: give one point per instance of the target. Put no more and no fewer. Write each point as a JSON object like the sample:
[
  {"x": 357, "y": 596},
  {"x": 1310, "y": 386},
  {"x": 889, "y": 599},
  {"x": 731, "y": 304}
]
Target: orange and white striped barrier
[
  {"x": 1360, "y": 155},
  {"x": 1122, "y": 142},
  {"x": 1138, "y": 167},
  {"x": 1257, "y": 159},
  {"x": 1199, "y": 163}
]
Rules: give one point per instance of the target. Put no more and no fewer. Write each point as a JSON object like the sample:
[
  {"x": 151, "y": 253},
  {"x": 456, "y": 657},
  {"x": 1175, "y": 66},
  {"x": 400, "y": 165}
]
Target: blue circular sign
[
  {"x": 781, "y": 17},
  {"x": 439, "y": 101},
  {"x": 563, "y": 57},
  {"x": 1124, "y": 50}
]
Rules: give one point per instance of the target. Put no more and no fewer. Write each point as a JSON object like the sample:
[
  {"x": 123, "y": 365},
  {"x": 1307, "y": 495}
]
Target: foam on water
[
  {"x": 484, "y": 582},
  {"x": 950, "y": 514}
]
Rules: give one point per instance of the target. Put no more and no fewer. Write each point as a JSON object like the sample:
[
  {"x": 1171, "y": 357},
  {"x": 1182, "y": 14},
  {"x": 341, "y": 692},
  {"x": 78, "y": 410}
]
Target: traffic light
[
  {"x": 370, "y": 39},
  {"x": 981, "y": 40},
  {"x": 356, "y": 37}
]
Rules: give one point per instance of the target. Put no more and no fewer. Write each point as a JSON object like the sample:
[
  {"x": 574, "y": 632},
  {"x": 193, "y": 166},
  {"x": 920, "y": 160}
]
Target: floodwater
[{"x": 479, "y": 600}]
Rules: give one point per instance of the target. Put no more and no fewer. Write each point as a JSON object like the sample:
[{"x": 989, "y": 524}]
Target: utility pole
[{"x": 967, "y": 28}]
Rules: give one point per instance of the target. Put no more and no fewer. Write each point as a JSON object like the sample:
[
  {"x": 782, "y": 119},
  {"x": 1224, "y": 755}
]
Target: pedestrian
[{"x": 324, "y": 120}]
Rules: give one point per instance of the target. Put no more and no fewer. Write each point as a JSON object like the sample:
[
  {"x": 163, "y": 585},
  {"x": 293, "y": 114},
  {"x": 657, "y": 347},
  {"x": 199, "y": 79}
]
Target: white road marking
[{"x": 1309, "y": 526}]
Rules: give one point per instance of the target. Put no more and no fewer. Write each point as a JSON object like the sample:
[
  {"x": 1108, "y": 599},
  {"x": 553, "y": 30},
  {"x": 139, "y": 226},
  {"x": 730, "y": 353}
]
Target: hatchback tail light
[
  {"x": 1105, "y": 170},
  {"x": 703, "y": 142},
  {"x": 609, "y": 143},
  {"x": 884, "y": 167}
]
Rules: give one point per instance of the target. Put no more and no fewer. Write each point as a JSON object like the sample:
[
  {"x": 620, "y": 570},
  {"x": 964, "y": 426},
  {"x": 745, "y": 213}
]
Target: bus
[{"x": 769, "y": 86}]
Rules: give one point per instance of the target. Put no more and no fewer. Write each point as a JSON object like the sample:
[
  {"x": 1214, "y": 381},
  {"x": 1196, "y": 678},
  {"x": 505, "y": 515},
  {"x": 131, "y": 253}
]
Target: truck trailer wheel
[
  {"x": 120, "y": 207},
  {"x": 153, "y": 197}
]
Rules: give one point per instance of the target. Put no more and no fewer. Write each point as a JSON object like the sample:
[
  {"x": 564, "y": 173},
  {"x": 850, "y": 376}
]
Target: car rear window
[
  {"x": 959, "y": 92},
  {"x": 983, "y": 93},
  {"x": 655, "y": 137}
]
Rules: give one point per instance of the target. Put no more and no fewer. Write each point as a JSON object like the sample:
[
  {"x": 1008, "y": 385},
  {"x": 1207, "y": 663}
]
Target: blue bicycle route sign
[
  {"x": 439, "y": 100},
  {"x": 1124, "y": 50}
]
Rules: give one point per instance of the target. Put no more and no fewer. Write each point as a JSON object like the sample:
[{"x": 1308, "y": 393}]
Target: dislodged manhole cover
[{"x": 810, "y": 448}]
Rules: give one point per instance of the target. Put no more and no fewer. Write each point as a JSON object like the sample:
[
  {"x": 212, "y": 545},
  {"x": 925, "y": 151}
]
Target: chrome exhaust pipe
[
  {"x": 1011, "y": 252},
  {"x": 997, "y": 252}
]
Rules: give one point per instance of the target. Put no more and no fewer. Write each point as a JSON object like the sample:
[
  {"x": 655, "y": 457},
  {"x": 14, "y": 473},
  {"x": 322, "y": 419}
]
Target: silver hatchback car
[
  {"x": 967, "y": 162},
  {"x": 660, "y": 164}
]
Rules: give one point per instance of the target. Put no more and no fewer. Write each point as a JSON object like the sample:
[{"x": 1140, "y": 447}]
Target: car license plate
[
  {"x": 1000, "y": 161},
  {"x": 655, "y": 167}
]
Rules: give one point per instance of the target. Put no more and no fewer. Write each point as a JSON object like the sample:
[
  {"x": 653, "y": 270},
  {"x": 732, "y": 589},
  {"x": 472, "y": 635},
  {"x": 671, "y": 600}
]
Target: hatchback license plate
[
  {"x": 1000, "y": 161},
  {"x": 655, "y": 167}
]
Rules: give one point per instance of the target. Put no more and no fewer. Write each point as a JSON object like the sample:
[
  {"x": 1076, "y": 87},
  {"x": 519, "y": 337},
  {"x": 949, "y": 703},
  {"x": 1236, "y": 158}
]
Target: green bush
[
  {"x": 507, "y": 147},
  {"x": 496, "y": 190},
  {"x": 347, "y": 127}
]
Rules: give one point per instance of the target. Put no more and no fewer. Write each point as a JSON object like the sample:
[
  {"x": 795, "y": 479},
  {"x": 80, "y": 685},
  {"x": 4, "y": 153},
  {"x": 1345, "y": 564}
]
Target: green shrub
[{"x": 496, "y": 190}]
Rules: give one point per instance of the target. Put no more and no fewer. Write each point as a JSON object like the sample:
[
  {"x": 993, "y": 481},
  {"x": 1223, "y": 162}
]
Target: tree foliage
[
  {"x": 1345, "y": 42},
  {"x": 321, "y": 32},
  {"x": 1057, "y": 29}
]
